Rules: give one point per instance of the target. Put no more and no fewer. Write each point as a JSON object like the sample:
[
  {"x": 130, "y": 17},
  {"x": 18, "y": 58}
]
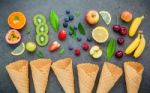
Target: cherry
[
  {"x": 116, "y": 28},
  {"x": 119, "y": 54},
  {"x": 120, "y": 40},
  {"x": 62, "y": 35},
  {"x": 77, "y": 52},
  {"x": 85, "y": 46},
  {"x": 123, "y": 31}
]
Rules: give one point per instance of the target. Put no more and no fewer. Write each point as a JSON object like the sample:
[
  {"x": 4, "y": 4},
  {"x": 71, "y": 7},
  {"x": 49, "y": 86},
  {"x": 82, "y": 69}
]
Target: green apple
[{"x": 30, "y": 46}]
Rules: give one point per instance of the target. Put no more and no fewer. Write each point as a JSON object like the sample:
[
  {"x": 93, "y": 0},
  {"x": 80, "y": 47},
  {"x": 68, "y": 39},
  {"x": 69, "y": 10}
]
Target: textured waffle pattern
[
  {"x": 64, "y": 73},
  {"x": 40, "y": 72},
  {"x": 133, "y": 76},
  {"x": 87, "y": 74},
  {"x": 109, "y": 76},
  {"x": 18, "y": 72}
]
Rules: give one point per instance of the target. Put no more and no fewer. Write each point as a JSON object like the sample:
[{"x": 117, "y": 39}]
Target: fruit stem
[
  {"x": 142, "y": 17},
  {"x": 141, "y": 32}
]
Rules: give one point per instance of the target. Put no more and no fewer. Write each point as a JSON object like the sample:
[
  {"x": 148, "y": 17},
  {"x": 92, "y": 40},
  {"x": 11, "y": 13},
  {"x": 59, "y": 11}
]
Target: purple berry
[
  {"x": 70, "y": 47},
  {"x": 67, "y": 11},
  {"x": 89, "y": 39},
  {"x": 119, "y": 54},
  {"x": 123, "y": 31},
  {"x": 79, "y": 38},
  {"x": 116, "y": 28},
  {"x": 120, "y": 40},
  {"x": 71, "y": 17},
  {"x": 65, "y": 24},
  {"x": 75, "y": 28},
  {"x": 66, "y": 19}
]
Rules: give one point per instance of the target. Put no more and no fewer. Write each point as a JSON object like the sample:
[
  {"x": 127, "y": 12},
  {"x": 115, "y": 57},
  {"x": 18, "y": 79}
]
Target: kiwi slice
[
  {"x": 42, "y": 28},
  {"x": 38, "y": 19},
  {"x": 42, "y": 39}
]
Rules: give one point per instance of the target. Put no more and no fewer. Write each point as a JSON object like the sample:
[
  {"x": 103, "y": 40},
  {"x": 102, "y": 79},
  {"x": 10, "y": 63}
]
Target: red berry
[
  {"x": 85, "y": 46},
  {"x": 120, "y": 40},
  {"x": 62, "y": 35},
  {"x": 116, "y": 28},
  {"x": 119, "y": 54},
  {"x": 77, "y": 52},
  {"x": 123, "y": 31}
]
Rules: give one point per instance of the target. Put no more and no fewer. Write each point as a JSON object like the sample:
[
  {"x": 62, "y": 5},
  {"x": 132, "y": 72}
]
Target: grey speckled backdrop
[{"x": 31, "y": 7}]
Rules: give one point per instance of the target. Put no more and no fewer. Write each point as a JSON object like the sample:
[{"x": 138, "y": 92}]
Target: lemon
[
  {"x": 19, "y": 50},
  {"x": 106, "y": 16},
  {"x": 100, "y": 34}
]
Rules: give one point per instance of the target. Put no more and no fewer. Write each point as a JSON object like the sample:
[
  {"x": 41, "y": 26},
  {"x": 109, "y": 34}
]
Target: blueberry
[
  {"x": 65, "y": 24},
  {"x": 89, "y": 39},
  {"x": 79, "y": 39},
  {"x": 71, "y": 17},
  {"x": 75, "y": 28},
  {"x": 67, "y": 11},
  {"x": 66, "y": 19},
  {"x": 70, "y": 48},
  {"x": 70, "y": 33}
]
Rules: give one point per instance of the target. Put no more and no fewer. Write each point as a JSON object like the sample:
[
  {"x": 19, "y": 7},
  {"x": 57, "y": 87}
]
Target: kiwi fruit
[
  {"x": 42, "y": 39},
  {"x": 42, "y": 28},
  {"x": 38, "y": 19}
]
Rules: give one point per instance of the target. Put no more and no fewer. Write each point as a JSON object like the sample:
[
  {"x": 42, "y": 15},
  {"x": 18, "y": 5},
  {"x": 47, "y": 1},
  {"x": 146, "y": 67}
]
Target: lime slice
[
  {"x": 18, "y": 50},
  {"x": 106, "y": 16},
  {"x": 100, "y": 34}
]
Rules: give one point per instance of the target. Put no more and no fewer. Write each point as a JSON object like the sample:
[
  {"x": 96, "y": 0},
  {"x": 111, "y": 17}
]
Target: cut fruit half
[
  {"x": 96, "y": 52},
  {"x": 100, "y": 34},
  {"x": 18, "y": 50},
  {"x": 38, "y": 19},
  {"x": 42, "y": 39},
  {"x": 106, "y": 16},
  {"x": 42, "y": 28}
]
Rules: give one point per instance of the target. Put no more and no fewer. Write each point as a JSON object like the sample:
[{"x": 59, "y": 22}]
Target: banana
[
  {"x": 134, "y": 26},
  {"x": 140, "y": 48},
  {"x": 134, "y": 44}
]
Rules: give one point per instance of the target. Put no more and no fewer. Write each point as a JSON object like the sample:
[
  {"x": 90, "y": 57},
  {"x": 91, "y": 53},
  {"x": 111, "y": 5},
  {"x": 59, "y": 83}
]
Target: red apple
[{"x": 92, "y": 17}]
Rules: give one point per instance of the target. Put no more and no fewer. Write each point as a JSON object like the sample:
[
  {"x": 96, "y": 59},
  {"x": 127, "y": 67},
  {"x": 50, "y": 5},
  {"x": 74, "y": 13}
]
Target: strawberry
[
  {"x": 54, "y": 46},
  {"x": 62, "y": 35}
]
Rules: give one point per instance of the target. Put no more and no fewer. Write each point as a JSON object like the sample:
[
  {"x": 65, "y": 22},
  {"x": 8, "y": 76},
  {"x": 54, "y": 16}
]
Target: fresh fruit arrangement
[
  {"x": 42, "y": 29},
  {"x": 100, "y": 34}
]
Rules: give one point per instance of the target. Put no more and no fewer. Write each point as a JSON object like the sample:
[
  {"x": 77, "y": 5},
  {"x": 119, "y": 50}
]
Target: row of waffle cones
[{"x": 87, "y": 73}]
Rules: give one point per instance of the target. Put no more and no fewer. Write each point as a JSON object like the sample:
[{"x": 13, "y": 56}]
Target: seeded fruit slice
[
  {"x": 38, "y": 19},
  {"x": 42, "y": 28},
  {"x": 42, "y": 39},
  {"x": 96, "y": 52}
]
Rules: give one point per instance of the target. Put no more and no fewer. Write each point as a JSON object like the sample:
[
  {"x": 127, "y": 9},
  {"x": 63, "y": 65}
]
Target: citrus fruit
[
  {"x": 18, "y": 50},
  {"x": 106, "y": 16},
  {"x": 16, "y": 20},
  {"x": 30, "y": 46},
  {"x": 100, "y": 34},
  {"x": 96, "y": 52}
]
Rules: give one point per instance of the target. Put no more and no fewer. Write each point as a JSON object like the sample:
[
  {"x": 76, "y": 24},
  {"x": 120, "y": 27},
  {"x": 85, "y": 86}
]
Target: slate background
[{"x": 31, "y": 7}]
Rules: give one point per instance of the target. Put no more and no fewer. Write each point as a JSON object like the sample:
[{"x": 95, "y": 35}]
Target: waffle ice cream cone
[
  {"x": 64, "y": 73},
  {"x": 18, "y": 72},
  {"x": 109, "y": 76},
  {"x": 87, "y": 75},
  {"x": 40, "y": 71},
  {"x": 133, "y": 76}
]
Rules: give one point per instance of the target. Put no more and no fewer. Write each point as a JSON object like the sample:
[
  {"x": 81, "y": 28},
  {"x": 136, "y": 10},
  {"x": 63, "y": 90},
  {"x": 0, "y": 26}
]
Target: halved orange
[{"x": 16, "y": 20}]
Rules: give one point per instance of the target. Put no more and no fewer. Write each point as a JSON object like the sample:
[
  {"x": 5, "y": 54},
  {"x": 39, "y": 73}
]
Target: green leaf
[
  {"x": 110, "y": 48},
  {"x": 54, "y": 20},
  {"x": 74, "y": 34},
  {"x": 77, "y": 14},
  {"x": 40, "y": 54},
  {"x": 27, "y": 31},
  {"x": 62, "y": 51},
  {"x": 81, "y": 29}
]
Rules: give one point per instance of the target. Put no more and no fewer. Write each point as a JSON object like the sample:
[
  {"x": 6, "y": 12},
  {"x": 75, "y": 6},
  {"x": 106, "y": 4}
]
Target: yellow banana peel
[
  {"x": 134, "y": 26},
  {"x": 140, "y": 48}
]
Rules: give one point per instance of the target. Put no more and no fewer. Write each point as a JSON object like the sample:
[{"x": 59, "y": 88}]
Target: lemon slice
[
  {"x": 100, "y": 34},
  {"x": 106, "y": 16},
  {"x": 18, "y": 50}
]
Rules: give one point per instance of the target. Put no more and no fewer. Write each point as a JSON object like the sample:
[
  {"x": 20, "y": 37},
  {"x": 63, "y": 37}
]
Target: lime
[
  {"x": 18, "y": 50},
  {"x": 106, "y": 16},
  {"x": 30, "y": 46},
  {"x": 100, "y": 34}
]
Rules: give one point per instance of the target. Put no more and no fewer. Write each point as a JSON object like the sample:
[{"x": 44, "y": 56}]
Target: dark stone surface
[{"x": 31, "y": 7}]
